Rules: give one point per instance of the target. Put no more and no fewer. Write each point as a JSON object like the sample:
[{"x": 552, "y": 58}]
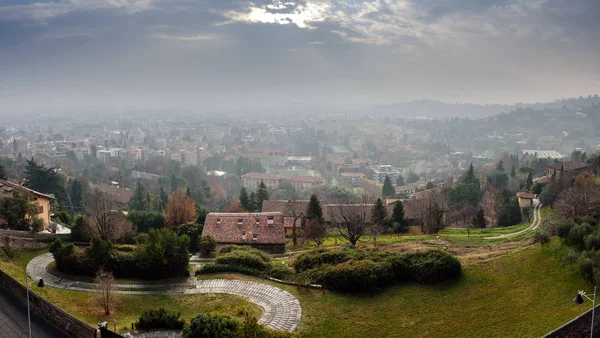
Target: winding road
[
  {"x": 537, "y": 220},
  {"x": 280, "y": 309}
]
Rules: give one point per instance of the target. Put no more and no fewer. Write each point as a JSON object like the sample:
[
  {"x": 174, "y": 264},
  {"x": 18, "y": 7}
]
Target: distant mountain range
[{"x": 442, "y": 110}]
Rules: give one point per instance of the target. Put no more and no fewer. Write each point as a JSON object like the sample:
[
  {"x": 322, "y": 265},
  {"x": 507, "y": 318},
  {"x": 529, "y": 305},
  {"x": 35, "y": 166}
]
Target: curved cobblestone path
[{"x": 280, "y": 309}]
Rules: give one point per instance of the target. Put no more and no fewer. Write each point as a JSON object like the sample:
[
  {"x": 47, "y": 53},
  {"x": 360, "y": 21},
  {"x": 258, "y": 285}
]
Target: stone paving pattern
[{"x": 281, "y": 310}]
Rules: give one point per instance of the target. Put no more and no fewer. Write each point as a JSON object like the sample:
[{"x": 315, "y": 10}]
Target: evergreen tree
[
  {"x": 388, "y": 188},
  {"x": 529, "y": 182},
  {"x": 163, "y": 198},
  {"x": 2, "y": 173},
  {"x": 379, "y": 213},
  {"x": 469, "y": 176},
  {"x": 253, "y": 203},
  {"x": 15, "y": 147},
  {"x": 174, "y": 185},
  {"x": 46, "y": 180},
  {"x": 77, "y": 195},
  {"x": 314, "y": 211},
  {"x": 397, "y": 218},
  {"x": 244, "y": 199},
  {"x": 400, "y": 180},
  {"x": 429, "y": 185},
  {"x": 139, "y": 199},
  {"x": 513, "y": 172},
  {"x": 261, "y": 195}
]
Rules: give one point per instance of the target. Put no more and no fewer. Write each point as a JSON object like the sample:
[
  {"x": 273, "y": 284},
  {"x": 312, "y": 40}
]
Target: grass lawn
[
  {"x": 128, "y": 308},
  {"x": 525, "y": 294}
]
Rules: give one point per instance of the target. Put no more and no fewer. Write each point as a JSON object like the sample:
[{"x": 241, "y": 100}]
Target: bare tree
[
  {"x": 109, "y": 224},
  {"x": 296, "y": 211},
  {"x": 490, "y": 202},
  {"x": 581, "y": 200},
  {"x": 315, "y": 231},
  {"x": 352, "y": 219},
  {"x": 104, "y": 285},
  {"x": 429, "y": 208}
]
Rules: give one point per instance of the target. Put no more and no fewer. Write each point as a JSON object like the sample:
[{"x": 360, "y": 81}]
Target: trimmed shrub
[
  {"x": 433, "y": 266},
  {"x": 217, "y": 268},
  {"x": 355, "y": 276},
  {"x": 281, "y": 271},
  {"x": 211, "y": 326},
  {"x": 243, "y": 258},
  {"x": 64, "y": 217},
  {"x": 193, "y": 231},
  {"x": 206, "y": 245},
  {"x": 230, "y": 248},
  {"x": 160, "y": 319},
  {"x": 578, "y": 233},
  {"x": 592, "y": 241}
]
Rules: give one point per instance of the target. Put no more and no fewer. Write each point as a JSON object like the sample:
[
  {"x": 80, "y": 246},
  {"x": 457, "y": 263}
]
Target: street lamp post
[{"x": 579, "y": 300}]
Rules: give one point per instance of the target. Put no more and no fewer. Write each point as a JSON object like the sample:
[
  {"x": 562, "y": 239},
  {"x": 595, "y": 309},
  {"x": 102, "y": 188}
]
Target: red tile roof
[
  {"x": 119, "y": 195},
  {"x": 572, "y": 165},
  {"x": 526, "y": 195},
  {"x": 261, "y": 176},
  {"x": 7, "y": 187},
  {"x": 225, "y": 228}
]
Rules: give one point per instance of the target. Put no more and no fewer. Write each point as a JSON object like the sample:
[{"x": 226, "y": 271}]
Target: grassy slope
[{"x": 128, "y": 308}]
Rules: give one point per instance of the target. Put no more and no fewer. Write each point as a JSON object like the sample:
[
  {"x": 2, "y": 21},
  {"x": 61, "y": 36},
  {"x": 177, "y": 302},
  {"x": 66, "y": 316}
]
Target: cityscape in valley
[{"x": 269, "y": 169}]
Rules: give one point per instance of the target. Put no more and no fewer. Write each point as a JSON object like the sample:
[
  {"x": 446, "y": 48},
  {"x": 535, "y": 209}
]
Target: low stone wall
[
  {"x": 29, "y": 234},
  {"x": 578, "y": 327},
  {"x": 57, "y": 317}
]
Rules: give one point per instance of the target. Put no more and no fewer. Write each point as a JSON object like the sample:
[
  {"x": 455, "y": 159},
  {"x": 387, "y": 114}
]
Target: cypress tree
[
  {"x": 398, "y": 218},
  {"x": 244, "y": 199},
  {"x": 261, "y": 195},
  {"x": 529, "y": 182},
  {"x": 314, "y": 210}
]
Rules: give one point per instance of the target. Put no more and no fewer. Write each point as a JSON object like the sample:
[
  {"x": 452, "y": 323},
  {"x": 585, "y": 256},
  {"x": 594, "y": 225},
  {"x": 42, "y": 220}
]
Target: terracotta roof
[
  {"x": 254, "y": 155},
  {"x": 572, "y": 165},
  {"x": 226, "y": 227},
  {"x": 261, "y": 176},
  {"x": 352, "y": 174},
  {"x": 306, "y": 179},
  {"x": 7, "y": 187},
  {"x": 119, "y": 195},
  {"x": 524, "y": 194}
]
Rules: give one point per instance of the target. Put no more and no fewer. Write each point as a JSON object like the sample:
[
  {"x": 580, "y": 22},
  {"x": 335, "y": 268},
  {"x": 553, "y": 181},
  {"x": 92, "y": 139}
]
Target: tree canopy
[{"x": 388, "y": 188}]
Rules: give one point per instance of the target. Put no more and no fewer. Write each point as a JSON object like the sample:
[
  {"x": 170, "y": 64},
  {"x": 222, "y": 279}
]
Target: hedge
[{"x": 160, "y": 319}]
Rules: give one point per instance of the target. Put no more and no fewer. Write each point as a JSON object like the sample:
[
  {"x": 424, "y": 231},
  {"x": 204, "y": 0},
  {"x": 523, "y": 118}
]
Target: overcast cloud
[{"x": 222, "y": 54}]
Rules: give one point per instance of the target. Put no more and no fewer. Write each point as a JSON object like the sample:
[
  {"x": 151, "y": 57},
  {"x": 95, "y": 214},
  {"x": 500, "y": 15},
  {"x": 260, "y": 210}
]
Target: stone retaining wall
[
  {"x": 578, "y": 327},
  {"x": 57, "y": 317},
  {"x": 29, "y": 234}
]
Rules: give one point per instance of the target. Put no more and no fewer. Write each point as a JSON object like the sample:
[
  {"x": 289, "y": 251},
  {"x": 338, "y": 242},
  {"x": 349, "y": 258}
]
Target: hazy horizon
[{"x": 232, "y": 55}]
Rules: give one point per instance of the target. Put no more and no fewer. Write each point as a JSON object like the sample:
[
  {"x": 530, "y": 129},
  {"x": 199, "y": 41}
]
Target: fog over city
[{"x": 219, "y": 55}]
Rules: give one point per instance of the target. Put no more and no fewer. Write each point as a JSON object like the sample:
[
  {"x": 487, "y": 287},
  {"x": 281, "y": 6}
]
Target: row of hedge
[
  {"x": 162, "y": 254},
  {"x": 245, "y": 260},
  {"x": 355, "y": 270},
  {"x": 207, "y": 325}
]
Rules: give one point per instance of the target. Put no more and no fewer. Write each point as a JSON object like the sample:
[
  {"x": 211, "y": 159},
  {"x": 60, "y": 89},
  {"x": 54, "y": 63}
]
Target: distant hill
[{"x": 442, "y": 110}]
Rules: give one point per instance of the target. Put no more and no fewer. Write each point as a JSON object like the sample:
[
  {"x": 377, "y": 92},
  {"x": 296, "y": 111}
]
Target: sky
[{"x": 235, "y": 54}]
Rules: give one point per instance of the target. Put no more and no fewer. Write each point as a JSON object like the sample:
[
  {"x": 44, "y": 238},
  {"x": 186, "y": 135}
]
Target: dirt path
[{"x": 537, "y": 220}]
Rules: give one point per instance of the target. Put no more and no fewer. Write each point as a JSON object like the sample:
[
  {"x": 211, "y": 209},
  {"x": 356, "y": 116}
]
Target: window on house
[
  {"x": 257, "y": 221},
  {"x": 254, "y": 238},
  {"x": 244, "y": 236},
  {"x": 219, "y": 220},
  {"x": 41, "y": 209},
  {"x": 240, "y": 221},
  {"x": 270, "y": 220}
]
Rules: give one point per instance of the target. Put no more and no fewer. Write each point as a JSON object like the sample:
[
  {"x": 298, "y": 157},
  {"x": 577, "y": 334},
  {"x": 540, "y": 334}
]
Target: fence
[
  {"x": 578, "y": 327},
  {"x": 48, "y": 311}
]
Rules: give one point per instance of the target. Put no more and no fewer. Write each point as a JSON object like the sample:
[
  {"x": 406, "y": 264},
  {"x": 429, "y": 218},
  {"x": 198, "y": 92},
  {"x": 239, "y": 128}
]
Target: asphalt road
[{"x": 13, "y": 321}]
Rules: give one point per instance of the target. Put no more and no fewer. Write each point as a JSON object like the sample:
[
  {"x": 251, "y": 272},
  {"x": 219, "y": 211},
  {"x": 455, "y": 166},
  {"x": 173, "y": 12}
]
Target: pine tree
[
  {"x": 400, "y": 180},
  {"x": 163, "y": 198},
  {"x": 479, "y": 219},
  {"x": 244, "y": 199},
  {"x": 138, "y": 200},
  {"x": 513, "y": 172},
  {"x": 469, "y": 176},
  {"x": 388, "y": 188},
  {"x": 77, "y": 196},
  {"x": 379, "y": 220},
  {"x": 314, "y": 210},
  {"x": 529, "y": 182},
  {"x": 261, "y": 195},
  {"x": 2, "y": 173},
  {"x": 397, "y": 218}
]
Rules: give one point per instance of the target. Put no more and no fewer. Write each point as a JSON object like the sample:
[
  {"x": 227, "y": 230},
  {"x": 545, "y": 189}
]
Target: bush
[
  {"x": 433, "y": 266},
  {"x": 64, "y": 217},
  {"x": 578, "y": 233},
  {"x": 211, "y": 326},
  {"x": 355, "y": 276},
  {"x": 160, "y": 319},
  {"x": 316, "y": 258},
  {"x": 541, "y": 237},
  {"x": 564, "y": 227},
  {"x": 589, "y": 265},
  {"x": 37, "y": 224},
  {"x": 82, "y": 230},
  {"x": 206, "y": 245},
  {"x": 193, "y": 231},
  {"x": 243, "y": 258},
  {"x": 217, "y": 268},
  {"x": 230, "y": 248},
  {"x": 250, "y": 328},
  {"x": 592, "y": 241},
  {"x": 146, "y": 220},
  {"x": 281, "y": 271}
]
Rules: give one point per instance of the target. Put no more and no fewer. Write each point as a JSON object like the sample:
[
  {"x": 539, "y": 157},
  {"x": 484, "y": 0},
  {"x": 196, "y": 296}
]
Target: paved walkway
[
  {"x": 281, "y": 310},
  {"x": 537, "y": 220}
]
